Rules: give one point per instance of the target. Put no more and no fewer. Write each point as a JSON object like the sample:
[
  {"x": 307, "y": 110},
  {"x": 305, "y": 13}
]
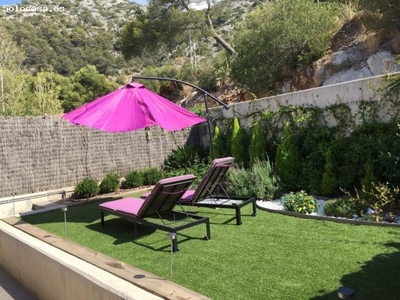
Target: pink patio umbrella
[{"x": 130, "y": 108}]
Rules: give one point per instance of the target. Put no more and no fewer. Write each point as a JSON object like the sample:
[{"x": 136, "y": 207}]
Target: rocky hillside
[
  {"x": 108, "y": 14},
  {"x": 353, "y": 55},
  {"x": 68, "y": 35}
]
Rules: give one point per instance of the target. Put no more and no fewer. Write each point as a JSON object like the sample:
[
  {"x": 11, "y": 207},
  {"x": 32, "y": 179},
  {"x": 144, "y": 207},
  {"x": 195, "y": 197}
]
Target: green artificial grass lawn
[{"x": 270, "y": 256}]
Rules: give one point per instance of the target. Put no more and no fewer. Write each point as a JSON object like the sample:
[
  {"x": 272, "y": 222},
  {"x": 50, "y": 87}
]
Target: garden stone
[
  {"x": 382, "y": 62},
  {"x": 348, "y": 75}
]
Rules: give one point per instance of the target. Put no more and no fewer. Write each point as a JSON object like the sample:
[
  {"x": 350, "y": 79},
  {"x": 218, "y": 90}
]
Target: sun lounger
[
  {"x": 156, "y": 210},
  {"x": 210, "y": 192}
]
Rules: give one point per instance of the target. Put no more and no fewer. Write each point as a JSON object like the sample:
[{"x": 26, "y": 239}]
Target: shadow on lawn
[
  {"x": 124, "y": 232},
  {"x": 214, "y": 213},
  {"x": 84, "y": 212},
  {"x": 377, "y": 279},
  {"x": 119, "y": 228}
]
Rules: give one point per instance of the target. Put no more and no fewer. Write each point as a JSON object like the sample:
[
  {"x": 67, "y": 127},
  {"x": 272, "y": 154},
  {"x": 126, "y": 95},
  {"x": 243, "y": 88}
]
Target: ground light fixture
[
  {"x": 345, "y": 292},
  {"x": 172, "y": 237},
  {"x": 65, "y": 209}
]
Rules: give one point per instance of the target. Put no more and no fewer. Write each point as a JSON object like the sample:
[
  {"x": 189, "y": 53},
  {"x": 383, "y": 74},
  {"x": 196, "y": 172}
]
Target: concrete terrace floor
[{"x": 11, "y": 289}]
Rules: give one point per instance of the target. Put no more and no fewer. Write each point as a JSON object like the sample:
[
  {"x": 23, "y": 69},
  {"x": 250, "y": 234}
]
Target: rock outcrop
[{"x": 353, "y": 55}]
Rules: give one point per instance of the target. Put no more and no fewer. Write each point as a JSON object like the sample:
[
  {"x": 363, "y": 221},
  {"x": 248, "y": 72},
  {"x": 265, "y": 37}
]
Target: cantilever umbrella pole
[{"x": 206, "y": 94}]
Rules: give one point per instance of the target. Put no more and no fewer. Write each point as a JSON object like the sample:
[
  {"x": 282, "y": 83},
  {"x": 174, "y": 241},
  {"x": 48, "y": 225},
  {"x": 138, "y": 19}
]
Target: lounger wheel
[
  {"x": 206, "y": 238},
  {"x": 254, "y": 214}
]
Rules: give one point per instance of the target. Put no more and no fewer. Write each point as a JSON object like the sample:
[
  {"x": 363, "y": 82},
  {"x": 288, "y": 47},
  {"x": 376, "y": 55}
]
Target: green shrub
[
  {"x": 375, "y": 139},
  {"x": 86, "y": 188},
  {"x": 343, "y": 208},
  {"x": 238, "y": 142},
  {"x": 133, "y": 179},
  {"x": 299, "y": 202},
  {"x": 288, "y": 160},
  {"x": 218, "y": 142},
  {"x": 152, "y": 176},
  {"x": 184, "y": 157},
  {"x": 259, "y": 181},
  {"x": 313, "y": 142},
  {"x": 380, "y": 15},
  {"x": 257, "y": 146},
  {"x": 329, "y": 185},
  {"x": 110, "y": 183},
  {"x": 222, "y": 140},
  {"x": 198, "y": 167},
  {"x": 368, "y": 180},
  {"x": 289, "y": 34},
  {"x": 384, "y": 199}
]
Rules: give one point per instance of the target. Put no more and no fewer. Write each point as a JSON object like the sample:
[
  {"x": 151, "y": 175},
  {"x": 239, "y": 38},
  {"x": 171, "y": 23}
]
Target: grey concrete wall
[
  {"x": 52, "y": 268},
  {"x": 47, "y": 153},
  {"x": 51, "y": 274},
  {"x": 351, "y": 93}
]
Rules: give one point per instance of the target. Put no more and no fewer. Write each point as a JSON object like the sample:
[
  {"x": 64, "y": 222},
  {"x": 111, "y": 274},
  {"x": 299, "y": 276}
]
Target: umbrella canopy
[{"x": 130, "y": 108}]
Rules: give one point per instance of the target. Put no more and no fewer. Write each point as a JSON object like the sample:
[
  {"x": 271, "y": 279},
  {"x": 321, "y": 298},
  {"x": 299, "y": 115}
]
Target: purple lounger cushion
[
  {"x": 165, "y": 194},
  {"x": 128, "y": 205},
  {"x": 187, "y": 196}
]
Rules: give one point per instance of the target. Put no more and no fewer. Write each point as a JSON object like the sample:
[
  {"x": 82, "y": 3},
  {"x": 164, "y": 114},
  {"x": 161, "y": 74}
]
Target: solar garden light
[
  {"x": 345, "y": 292},
  {"x": 172, "y": 237},
  {"x": 65, "y": 209}
]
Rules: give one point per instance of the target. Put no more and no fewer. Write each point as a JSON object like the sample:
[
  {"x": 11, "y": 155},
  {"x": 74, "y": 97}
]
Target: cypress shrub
[
  {"x": 329, "y": 184},
  {"x": 288, "y": 160},
  {"x": 237, "y": 146},
  {"x": 257, "y": 144},
  {"x": 367, "y": 182},
  {"x": 218, "y": 142}
]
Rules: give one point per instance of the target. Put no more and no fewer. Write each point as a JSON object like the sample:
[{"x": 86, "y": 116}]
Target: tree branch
[
  {"x": 219, "y": 39},
  {"x": 185, "y": 5}
]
